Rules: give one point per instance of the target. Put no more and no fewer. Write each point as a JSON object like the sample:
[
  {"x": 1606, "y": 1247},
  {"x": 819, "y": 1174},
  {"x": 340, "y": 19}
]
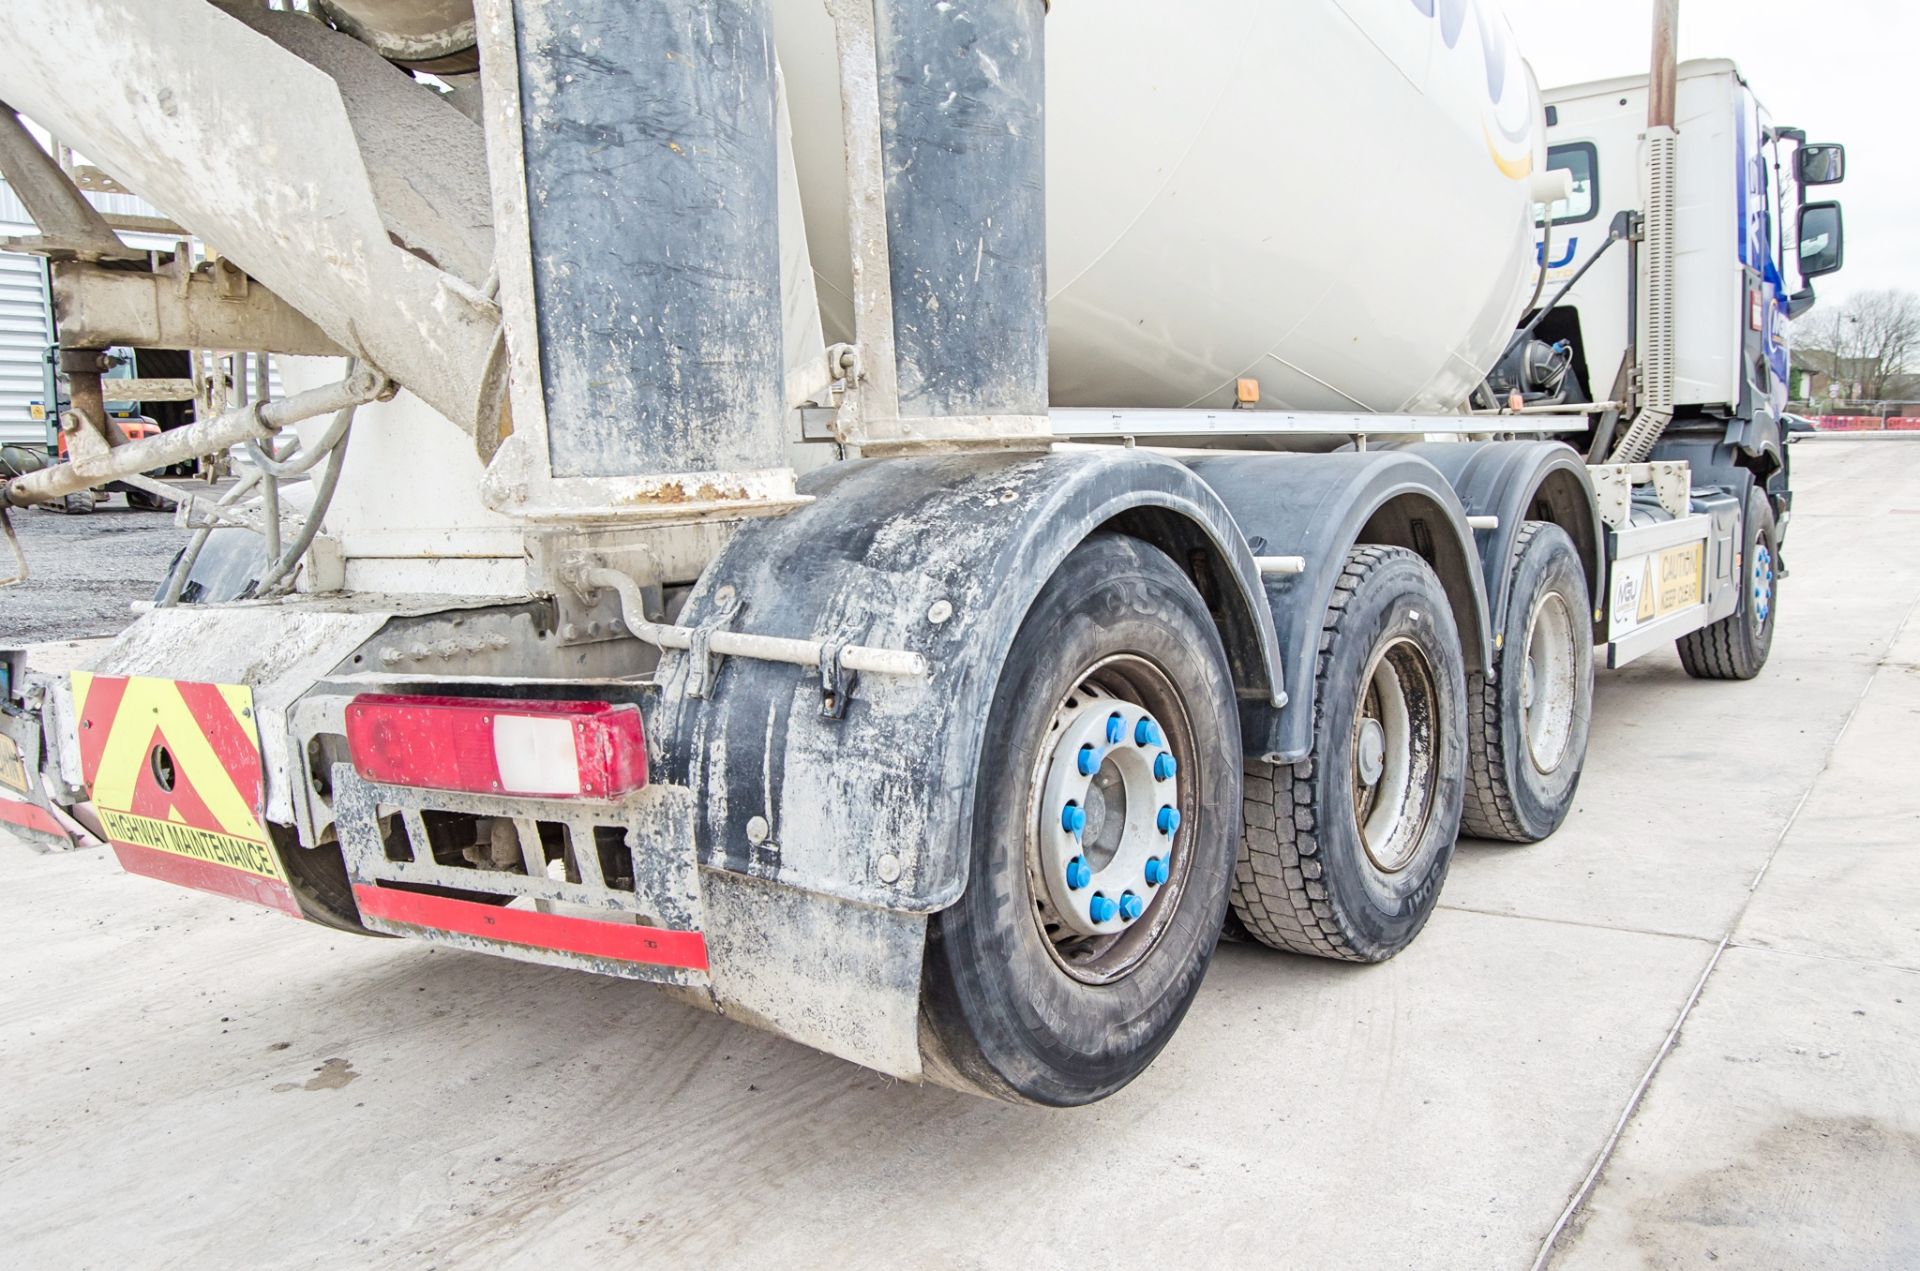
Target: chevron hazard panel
[{"x": 174, "y": 770}]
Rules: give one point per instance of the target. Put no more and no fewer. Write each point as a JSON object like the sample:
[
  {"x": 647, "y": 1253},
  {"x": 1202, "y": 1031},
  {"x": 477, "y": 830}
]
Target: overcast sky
[{"x": 1842, "y": 69}]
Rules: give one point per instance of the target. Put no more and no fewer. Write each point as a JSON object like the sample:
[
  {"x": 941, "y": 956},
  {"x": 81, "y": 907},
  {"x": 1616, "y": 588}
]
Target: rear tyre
[
  {"x": 1527, "y": 735},
  {"x": 1094, "y": 898},
  {"x": 146, "y": 502},
  {"x": 1737, "y": 646},
  {"x": 79, "y": 502},
  {"x": 1343, "y": 854}
]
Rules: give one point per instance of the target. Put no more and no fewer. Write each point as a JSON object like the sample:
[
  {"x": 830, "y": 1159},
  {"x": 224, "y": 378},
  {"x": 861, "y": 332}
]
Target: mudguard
[
  {"x": 1520, "y": 481},
  {"x": 26, "y": 807},
  {"x": 942, "y": 555},
  {"x": 1716, "y": 464},
  {"x": 1317, "y": 507}
]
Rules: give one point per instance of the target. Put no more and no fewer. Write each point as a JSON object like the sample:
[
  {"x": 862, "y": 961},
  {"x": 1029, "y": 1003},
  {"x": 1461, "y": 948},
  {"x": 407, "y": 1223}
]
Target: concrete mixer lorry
[{"x": 901, "y": 521}]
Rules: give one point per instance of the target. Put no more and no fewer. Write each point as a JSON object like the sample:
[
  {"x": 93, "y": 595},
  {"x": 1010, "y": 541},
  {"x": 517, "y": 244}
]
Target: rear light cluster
[{"x": 583, "y": 750}]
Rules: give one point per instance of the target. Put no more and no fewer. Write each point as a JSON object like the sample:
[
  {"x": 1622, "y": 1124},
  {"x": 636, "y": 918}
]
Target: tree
[{"x": 1871, "y": 340}]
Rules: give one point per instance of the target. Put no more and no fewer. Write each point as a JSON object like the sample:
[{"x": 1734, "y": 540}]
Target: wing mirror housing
[
  {"x": 1823, "y": 240},
  {"x": 1823, "y": 163}
]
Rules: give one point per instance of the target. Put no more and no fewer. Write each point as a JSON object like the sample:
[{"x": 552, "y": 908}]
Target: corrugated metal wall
[
  {"x": 23, "y": 335},
  {"x": 24, "y": 323}
]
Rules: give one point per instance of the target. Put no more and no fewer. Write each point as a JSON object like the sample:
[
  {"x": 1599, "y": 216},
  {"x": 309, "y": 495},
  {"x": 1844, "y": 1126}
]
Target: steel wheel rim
[
  {"x": 1550, "y": 682},
  {"x": 1117, "y": 951},
  {"x": 1393, "y": 793}
]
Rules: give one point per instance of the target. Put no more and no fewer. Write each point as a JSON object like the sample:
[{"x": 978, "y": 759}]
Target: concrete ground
[
  {"x": 1683, "y": 1032},
  {"x": 86, "y": 570}
]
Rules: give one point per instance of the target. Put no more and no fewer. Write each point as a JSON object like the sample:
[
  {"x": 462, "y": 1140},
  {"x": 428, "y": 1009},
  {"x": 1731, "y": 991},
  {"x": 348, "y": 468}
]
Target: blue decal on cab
[{"x": 1573, "y": 249}]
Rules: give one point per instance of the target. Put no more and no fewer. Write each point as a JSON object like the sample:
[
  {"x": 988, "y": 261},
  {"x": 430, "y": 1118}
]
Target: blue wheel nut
[
  {"x": 1131, "y": 906},
  {"x": 1073, "y": 818},
  {"x": 1116, "y": 729},
  {"x": 1079, "y": 873},
  {"x": 1156, "y": 870},
  {"x": 1146, "y": 733},
  {"x": 1101, "y": 909},
  {"x": 1089, "y": 761},
  {"x": 1164, "y": 767},
  {"x": 1169, "y": 819}
]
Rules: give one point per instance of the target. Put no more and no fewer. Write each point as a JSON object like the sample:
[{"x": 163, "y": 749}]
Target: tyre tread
[
  {"x": 1276, "y": 891},
  {"x": 1489, "y": 811},
  {"x": 1723, "y": 650},
  {"x": 1710, "y": 653}
]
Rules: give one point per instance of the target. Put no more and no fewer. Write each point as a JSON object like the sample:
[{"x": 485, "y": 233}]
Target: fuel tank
[{"x": 1330, "y": 196}]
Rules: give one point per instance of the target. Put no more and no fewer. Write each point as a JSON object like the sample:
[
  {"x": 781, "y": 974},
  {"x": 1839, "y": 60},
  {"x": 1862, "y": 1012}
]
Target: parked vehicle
[
  {"x": 133, "y": 426},
  {"x": 902, "y": 545}
]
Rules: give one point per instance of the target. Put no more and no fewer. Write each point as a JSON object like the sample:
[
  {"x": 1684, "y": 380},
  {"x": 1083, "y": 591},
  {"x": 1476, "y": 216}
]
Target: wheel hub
[
  {"x": 1550, "y": 682},
  {"x": 1109, "y": 815},
  {"x": 1762, "y": 583},
  {"x": 1372, "y": 752},
  {"x": 1393, "y": 755}
]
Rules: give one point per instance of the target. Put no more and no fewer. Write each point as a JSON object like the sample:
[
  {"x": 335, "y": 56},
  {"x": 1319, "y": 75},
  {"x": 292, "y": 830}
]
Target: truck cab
[{"x": 1750, "y": 240}]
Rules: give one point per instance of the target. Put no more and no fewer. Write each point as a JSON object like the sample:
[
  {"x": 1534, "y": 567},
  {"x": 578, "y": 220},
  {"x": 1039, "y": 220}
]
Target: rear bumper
[
  {"x": 317, "y": 841},
  {"x": 608, "y": 887}
]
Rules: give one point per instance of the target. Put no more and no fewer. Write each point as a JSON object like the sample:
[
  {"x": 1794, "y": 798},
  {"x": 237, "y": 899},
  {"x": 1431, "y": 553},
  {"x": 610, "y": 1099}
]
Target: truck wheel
[
  {"x": 1527, "y": 728},
  {"x": 80, "y": 501},
  {"x": 1104, "y": 819},
  {"x": 1736, "y": 647},
  {"x": 146, "y": 502},
  {"x": 1342, "y": 854}
]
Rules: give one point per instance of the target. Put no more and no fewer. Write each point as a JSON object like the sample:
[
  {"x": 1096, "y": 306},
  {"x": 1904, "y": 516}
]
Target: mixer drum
[{"x": 1330, "y": 196}]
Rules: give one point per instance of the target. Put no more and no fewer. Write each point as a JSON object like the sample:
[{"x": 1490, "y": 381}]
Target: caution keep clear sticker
[
  {"x": 1653, "y": 586},
  {"x": 175, "y": 766}
]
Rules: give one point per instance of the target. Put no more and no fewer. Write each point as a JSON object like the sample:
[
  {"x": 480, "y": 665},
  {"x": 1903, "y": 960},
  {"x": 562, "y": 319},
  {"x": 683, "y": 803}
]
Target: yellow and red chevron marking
[{"x": 174, "y": 771}]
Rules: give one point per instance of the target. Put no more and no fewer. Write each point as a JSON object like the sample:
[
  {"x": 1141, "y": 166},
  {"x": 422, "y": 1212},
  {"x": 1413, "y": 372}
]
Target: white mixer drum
[{"x": 1330, "y": 196}]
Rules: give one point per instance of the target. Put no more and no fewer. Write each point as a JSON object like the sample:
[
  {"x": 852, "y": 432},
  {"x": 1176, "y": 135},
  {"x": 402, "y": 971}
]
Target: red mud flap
[
  {"x": 385, "y": 908},
  {"x": 20, "y": 814},
  {"x": 22, "y": 810},
  {"x": 175, "y": 774}
]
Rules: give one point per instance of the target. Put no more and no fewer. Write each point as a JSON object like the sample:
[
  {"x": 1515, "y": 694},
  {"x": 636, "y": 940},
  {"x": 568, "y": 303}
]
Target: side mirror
[
  {"x": 1823, "y": 240},
  {"x": 1800, "y": 302},
  {"x": 1824, "y": 164}
]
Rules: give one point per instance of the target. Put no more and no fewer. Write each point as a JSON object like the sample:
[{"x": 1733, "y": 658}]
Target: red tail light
[{"x": 586, "y": 750}]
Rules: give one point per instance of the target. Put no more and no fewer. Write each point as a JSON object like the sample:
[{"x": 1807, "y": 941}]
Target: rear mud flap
[{"x": 25, "y": 808}]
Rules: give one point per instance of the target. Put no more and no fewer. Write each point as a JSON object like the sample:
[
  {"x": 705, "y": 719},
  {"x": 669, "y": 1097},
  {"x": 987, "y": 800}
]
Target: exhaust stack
[{"x": 1663, "y": 175}]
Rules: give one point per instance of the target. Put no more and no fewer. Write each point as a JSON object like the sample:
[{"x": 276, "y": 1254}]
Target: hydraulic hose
[
  {"x": 322, "y": 498},
  {"x": 1546, "y": 254},
  {"x": 306, "y": 457}
]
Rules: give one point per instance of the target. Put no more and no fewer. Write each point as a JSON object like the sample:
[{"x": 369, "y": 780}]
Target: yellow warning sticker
[
  {"x": 192, "y": 842},
  {"x": 13, "y": 768},
  {"x": 1680, "y": 572}
]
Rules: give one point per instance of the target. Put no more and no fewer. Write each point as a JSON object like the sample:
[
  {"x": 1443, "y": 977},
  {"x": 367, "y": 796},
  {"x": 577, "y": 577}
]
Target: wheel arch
[
  {"x": 1319, "y": 507},
  {"x": 877, "y": 807},
  {"x": 1516, "y": 482},
  {"x": 1209, "y": 554}
]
